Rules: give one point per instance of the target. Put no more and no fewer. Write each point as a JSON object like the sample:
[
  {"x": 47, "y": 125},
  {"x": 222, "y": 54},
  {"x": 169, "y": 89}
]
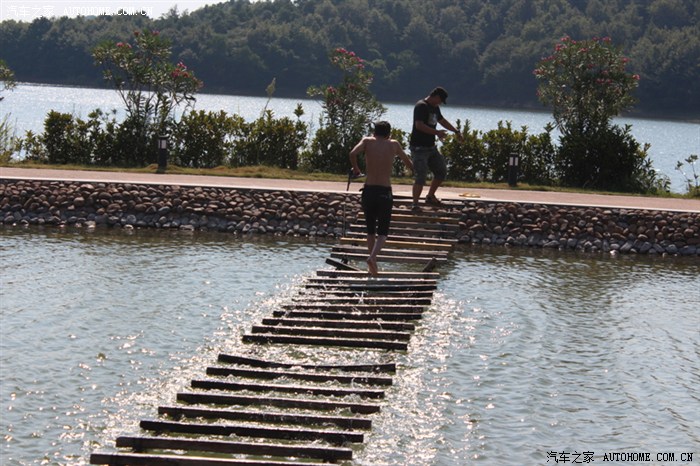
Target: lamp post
[
  {"x": 162, "y": 153},
  {"x": 513, "y": 169}
]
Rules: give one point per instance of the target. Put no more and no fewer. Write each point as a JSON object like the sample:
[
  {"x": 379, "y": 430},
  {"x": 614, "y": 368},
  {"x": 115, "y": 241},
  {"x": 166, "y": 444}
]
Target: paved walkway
[{"x": 515, "y": 195}]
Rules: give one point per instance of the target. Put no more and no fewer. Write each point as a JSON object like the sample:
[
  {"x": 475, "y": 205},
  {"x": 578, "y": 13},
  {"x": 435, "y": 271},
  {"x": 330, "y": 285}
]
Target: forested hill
[{"x": 483, "y": 52}]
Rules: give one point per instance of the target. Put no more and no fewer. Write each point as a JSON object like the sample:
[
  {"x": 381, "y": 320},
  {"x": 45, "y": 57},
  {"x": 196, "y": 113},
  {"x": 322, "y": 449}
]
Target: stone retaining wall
[{"x": 245, "y": 211}]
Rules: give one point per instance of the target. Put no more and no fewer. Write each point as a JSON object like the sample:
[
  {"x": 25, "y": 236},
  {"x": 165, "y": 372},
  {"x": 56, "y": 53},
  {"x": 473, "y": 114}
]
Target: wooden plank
[
  {"x": 404, "y": 308},
  {"x": 332, "y": 436},
  {"x": 399, "y": 216},
  {"x": 366, "y": 293},
  {"x": 449, "y": 203},
  {"x": 382, "y": 274},
  {"x": 384, "y": 258},
  {"x": 325, "y": 341},
  {"x": 398, "y": 326},
  {"x": 379, "y": 286},
  {"x": 345, "y": 422},
  {"x": 139, "y": 459},
  {"x": 297, "y": 403},
  {"x": 320, "y": 332},
  {"x": 358, "y": 241},
  {"x": 235, "y": 359},
  {"x": 396, "y": 236},
  {"x": 142, "y": 444},
  {"x": 379, "y": 300},
  {"x": 341, "y": 265},
  {"x": 399, "y": 231},
  {"x": 348, "y": 315},
  {"x": 371, "y": 280},
  {"x": 306, "y": 376},
  {"x": 428, "y": 226},
  {"x": 303, "y": 389},
  {"x": 390, "y": 252}
]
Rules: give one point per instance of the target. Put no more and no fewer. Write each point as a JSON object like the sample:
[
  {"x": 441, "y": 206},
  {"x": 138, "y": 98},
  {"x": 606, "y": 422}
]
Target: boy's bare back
[{"x": 379, "y": 158}]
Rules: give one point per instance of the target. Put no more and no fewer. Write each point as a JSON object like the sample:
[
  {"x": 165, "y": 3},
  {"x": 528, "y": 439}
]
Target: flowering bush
[
  {"x": 348, "y": 111},
  {"x": 587, "y": 84},
  {"x": 149, "y": 85}
]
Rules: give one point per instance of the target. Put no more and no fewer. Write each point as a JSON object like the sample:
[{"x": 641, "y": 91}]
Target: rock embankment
[
  {"x": 241, "y": 211},
  {"x": 246, "y": 211},
  {"x": 590, "y": 229}
]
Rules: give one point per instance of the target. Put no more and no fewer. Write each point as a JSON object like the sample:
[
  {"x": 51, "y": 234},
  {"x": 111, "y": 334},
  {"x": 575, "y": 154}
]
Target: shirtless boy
[{"x": 377, "y": 200}]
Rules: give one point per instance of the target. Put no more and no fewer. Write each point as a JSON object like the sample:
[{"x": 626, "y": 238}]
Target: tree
[
  {"x": 348, "y": 110},
  {"x": 149, "y": 85},
  {"x": 7, "y": 78},
  {"x": 586, "y": 84}
]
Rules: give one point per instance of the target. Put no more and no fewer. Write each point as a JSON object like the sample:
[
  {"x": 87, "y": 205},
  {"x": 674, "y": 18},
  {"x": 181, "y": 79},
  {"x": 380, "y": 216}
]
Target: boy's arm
[
  {"x": 360, "y": 147},
  {"x": 404, "y": 158}
]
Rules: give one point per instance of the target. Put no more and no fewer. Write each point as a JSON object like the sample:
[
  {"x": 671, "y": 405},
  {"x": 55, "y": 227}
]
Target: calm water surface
[
  {"x": 671, "y": 141},
  {"x": 522, "y": 353}
]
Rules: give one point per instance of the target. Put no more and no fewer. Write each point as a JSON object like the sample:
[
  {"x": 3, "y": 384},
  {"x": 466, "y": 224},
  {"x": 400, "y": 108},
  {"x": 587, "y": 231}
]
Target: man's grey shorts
[{"x": 425, "y": 158}]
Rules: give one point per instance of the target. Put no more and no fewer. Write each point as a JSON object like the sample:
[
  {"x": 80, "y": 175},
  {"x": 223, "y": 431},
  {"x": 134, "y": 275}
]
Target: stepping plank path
[{"x": 248, "y": 410}]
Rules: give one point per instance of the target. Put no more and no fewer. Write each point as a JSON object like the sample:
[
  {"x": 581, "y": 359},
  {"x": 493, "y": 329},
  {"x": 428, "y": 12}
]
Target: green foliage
[
  {"x": 500, "y": 144},
  {"x": 348, "y": 112},
  {"x": 466, "y": 158},
  {"x": 204, "y": 139},
  {"x": 691, "y": 175},
  {"x": 151, "y": 88},
  {"x": 66, "y": 139},
  {"x": 483, "y": 51},
  {"x": 586, "y": 84},
  {"x": 609, "y": 159},
  {"x": 484, "y": 157},
  {"x": 270, "y": 141},
  {"x": 537, "y": 159},
  {"x": 8, "y": 140},
  {"x": 148, "y": 84},
  {"x": 7, "y": 78}
]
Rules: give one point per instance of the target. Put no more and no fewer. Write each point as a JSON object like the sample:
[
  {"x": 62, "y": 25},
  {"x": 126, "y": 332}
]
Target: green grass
[{"x": 260, "y": 171}]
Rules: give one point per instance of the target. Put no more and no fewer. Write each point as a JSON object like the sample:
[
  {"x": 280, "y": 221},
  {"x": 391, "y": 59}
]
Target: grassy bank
[{"x": 260, "y": 171}]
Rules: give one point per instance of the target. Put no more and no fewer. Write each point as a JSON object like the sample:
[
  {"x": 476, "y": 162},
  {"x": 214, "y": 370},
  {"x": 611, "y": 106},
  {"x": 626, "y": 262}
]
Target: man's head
[
  {"x": 441, "y": 93},
  {"x": 382, "y": 129}
]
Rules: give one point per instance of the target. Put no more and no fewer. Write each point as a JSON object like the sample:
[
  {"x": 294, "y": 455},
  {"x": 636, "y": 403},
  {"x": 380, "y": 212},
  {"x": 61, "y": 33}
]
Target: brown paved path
[{"x": 538, "y": 197}]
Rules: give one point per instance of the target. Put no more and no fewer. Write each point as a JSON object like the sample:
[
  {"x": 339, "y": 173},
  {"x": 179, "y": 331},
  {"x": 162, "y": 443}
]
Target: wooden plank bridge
[{"x": 247, "y": 410}]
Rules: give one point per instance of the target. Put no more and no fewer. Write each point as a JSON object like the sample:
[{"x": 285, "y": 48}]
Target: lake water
[
  {"x": 523, "y": 352},
  {"x": 671, "y": 141}
]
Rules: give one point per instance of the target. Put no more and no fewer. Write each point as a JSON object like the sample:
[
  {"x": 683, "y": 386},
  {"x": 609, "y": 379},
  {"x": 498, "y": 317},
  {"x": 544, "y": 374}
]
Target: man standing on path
[
  {"x": 425, "y": 154},
  {"x": 377, "y": 199}
]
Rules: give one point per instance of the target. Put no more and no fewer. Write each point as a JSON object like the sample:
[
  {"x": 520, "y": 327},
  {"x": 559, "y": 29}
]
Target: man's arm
[
  {"x": 446, "y": 124},
  {"x": 423, "y": 128}
]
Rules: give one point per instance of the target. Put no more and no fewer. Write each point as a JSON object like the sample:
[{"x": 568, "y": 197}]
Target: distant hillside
[{"x": 482, "y": 52}]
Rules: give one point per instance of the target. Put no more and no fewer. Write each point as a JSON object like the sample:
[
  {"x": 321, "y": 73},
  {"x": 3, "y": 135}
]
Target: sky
[{"x": 29, "y": 10}]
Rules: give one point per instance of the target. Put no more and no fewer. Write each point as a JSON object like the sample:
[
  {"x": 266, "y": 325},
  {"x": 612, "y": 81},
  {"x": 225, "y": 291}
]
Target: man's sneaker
[
  {"x": 434, "y": 201},
  {"x": 415, "y": 208}
]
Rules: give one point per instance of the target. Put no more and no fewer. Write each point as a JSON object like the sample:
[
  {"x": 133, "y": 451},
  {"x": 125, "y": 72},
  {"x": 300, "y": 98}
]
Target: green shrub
[
  {"x": 537, "y": 159},
  {"x": 204, "y": 139},
  {"x": 608, "y": 159},
  {"x": 270, "y": 141},
  {"x": 466, "y": 158},
  {"x": 500, "y": 144}
]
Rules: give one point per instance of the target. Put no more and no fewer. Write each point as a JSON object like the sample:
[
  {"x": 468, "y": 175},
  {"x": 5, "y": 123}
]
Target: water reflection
[{"x": 522, "y": 352}]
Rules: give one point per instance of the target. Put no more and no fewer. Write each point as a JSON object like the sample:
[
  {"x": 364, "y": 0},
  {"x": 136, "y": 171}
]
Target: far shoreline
[{"x": 642, "y": 115}]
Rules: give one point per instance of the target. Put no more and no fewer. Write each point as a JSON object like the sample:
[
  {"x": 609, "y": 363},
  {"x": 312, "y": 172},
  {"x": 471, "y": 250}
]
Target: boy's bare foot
[{"x": 372, "y": 266}]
